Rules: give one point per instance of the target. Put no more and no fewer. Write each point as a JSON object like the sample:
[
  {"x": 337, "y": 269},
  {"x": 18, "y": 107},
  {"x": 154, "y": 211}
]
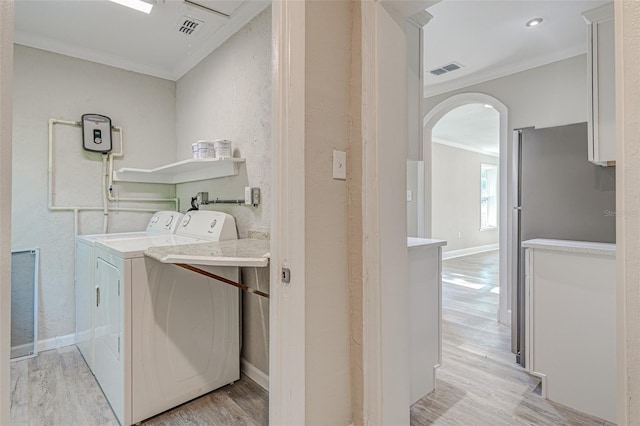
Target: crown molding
[
  {"x": 503, "y": 71},
  {"x": 239, "y": 19}
]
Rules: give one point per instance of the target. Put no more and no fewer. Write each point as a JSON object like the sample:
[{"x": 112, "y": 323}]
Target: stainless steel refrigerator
[{"x": 560, "y": 195}]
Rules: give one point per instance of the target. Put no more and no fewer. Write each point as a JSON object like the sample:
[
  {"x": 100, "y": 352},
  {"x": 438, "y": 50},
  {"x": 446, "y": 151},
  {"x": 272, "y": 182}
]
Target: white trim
[
  {"x": 469, "y": 251},
  {"x": 56, "y": 342},
  {"x": 48, "y": 344},
  {"x": 255, "y": 374},
  {"x": 495, "y": 73},
  {"x": 464, "y": 147},
  {"x": 287, "y": 348},
  {"x": 371, "y": 309},
  {"x": 432, "y": 117},
  {"x": 51, "y": 45}
]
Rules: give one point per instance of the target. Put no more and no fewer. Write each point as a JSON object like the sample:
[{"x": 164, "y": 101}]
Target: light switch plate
[
  {"x": 339, "y": 165},
  {"x": 409, "y": 195}
]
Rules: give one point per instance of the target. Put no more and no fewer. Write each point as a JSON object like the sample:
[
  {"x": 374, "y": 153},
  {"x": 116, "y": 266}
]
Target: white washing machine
[
  {"x": 164, "y": 335},
  {"x": 161, "y": 223}
]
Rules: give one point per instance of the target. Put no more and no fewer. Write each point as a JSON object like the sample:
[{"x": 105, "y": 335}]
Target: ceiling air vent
[
  {"x": 453, "y": 66},
  {"x": 188, "y": 25}
]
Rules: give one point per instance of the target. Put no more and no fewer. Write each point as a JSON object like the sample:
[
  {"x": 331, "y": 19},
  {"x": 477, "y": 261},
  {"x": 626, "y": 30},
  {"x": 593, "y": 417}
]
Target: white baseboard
[
  {"x": 56, "y": 342},
  {"x": 252, "y": 372},
  {"x": 468, "y": 251},
  {"x": 52, "y": 343}
]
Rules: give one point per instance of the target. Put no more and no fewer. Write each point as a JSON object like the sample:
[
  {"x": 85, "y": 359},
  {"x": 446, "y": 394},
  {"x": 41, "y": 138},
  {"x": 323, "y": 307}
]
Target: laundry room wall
[
  {"x": 228, "y": 96},
  {"x": 457, "y": 219},
  {"x": 49, "y": 85}
]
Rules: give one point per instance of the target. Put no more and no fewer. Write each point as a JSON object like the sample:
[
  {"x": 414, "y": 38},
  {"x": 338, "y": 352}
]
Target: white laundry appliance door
[
  {"x": 108, "y": 332},
  {"x": 186, "y": 337}
]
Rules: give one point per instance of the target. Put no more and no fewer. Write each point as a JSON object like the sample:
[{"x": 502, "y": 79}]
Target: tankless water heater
[{"x": 96, "y": 132}]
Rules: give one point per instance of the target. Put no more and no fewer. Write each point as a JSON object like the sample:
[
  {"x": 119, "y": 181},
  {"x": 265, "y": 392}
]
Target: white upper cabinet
[{"x": 601, "y": 78}]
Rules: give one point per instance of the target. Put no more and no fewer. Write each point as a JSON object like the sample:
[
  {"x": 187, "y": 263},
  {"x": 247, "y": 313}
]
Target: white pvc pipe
[
  {"x": 105, "y": 203},
  {"x": 50, "y": 203},
  {"x": 114, "y": 198},
  {"x": 75, "y": 222}
]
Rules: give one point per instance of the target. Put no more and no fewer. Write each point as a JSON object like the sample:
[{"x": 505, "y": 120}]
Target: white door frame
[
  {"x": 287, "y": 321},
  {"x": 385, "y": 345},
  {"x": 6, "y": 125},
  {"x": 430, "y": 120},
  {"x": 287, "y": 306}
]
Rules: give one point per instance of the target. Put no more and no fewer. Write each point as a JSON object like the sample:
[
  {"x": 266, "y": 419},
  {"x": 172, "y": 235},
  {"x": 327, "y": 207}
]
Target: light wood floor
[
  {"x": 56, "y": 388},
  {"x": 479, "y": 382}
]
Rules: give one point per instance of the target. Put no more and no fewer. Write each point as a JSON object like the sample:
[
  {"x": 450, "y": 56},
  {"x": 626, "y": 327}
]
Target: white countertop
[
  {"x": 244, "y": 252},
  {"x": 585, "y": 247},
  {"x": 424, "y": 242}
]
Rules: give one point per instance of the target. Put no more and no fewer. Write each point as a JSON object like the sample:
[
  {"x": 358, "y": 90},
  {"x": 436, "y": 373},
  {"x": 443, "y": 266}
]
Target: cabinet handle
[{"x": 97, "y": 297}]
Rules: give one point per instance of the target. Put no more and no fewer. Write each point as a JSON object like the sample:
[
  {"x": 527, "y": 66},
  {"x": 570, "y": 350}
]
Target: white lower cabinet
[
  {"x": 425, "y": 314},
  {"x": 571, "y": 324}
]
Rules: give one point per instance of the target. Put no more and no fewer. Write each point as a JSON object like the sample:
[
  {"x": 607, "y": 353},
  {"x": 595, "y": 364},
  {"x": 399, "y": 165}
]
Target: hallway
[{"x": 479, "y": 382}]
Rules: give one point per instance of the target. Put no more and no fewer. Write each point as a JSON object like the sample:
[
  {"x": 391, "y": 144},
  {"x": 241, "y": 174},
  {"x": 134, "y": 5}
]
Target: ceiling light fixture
[
  {"x": 488, "y": 106},
  {"x": 532, "y": 23},
  {"x": 138, "y": 5}
]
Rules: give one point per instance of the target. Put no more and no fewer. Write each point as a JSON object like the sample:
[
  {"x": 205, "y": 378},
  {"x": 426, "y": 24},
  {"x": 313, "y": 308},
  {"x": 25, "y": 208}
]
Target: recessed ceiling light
[
  {"x": 532, "y": 23},
  {"x": 136, "y": 4}
]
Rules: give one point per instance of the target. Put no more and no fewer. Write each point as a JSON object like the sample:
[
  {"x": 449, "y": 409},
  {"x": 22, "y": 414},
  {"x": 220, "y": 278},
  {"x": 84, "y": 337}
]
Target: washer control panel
[{"x": 208, "y": 225}]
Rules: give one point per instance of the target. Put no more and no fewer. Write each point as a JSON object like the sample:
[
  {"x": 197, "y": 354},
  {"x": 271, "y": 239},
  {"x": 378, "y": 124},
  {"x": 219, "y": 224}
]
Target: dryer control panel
[
  {"x": 164, "y": 222},
  {"x": 96, "y": 133}
]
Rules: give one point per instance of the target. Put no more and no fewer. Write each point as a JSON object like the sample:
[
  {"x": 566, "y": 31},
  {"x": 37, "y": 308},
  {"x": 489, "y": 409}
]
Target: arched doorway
[{"x": 430, "y": 120}]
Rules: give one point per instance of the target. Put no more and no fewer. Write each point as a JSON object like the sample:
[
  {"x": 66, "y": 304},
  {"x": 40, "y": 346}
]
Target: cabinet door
[
  {"x": 107, "y": 329},
  {"x": 601, "y": 58}
]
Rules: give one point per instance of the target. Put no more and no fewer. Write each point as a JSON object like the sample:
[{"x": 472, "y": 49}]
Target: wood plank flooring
[
  {"x": 479, "y": 382},
  {"x": 56, "y": 388}
]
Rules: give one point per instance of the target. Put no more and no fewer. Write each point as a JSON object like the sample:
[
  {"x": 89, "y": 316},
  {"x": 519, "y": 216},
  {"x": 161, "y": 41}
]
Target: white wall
[
  {"x": 228, "y": 96},
  {"x": 456, "y": 198},
  {"x": 327, "y": 127},
  {"x": 546, "y": 96},
  {"x": 48, "y": 85}
]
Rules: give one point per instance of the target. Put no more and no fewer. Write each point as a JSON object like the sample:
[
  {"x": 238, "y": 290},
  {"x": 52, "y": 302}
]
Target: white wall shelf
[{"x": 183, "y": 171}]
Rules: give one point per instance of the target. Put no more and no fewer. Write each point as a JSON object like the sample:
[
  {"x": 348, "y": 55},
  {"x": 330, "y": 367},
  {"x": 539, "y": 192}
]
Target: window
[{"x": 488, "y": 196}]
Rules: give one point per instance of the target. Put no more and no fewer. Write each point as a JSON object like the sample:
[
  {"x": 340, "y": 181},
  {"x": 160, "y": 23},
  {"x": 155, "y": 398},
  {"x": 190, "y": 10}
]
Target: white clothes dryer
[
  {"x": 161, "y": 223},
  {"x": 164, "y": 335}
]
